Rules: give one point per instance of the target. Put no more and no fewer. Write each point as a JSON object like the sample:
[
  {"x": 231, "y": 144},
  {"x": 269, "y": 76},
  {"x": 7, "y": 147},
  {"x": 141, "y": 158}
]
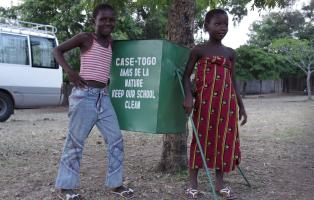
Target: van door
[
  {"x": 44, "y": 77},
  {"x": 14, "y": 63},
  {"x": 29, "y": 71}
]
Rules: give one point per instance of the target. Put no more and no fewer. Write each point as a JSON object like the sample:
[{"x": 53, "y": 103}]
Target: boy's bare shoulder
[
  {"x": 85, "y": 36},
  {"x": 85, "y": 39}
]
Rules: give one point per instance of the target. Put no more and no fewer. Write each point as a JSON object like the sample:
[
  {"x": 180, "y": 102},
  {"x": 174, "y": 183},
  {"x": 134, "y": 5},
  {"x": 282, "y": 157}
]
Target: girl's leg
[
  {"x": 107, "y": 123},
  {"x": 224, "y": 191},
  {"x": 82, "y": 119},
  {"x": 219, "y": 180},
  {"x": 193, "y": 178}
]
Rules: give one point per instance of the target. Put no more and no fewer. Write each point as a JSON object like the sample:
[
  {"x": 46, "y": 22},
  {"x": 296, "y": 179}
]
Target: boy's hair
[
  {"x": 100, "y": 7},
  {"x": 214, "y": 12}
]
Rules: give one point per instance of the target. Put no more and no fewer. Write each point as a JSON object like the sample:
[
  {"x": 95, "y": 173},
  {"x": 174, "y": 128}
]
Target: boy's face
[
  {"x": 218, "y": 26},
  {"x": 105, "y": 22}
]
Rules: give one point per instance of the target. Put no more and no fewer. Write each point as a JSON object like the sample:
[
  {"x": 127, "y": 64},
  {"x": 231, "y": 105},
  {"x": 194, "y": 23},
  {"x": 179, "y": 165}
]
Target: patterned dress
[{"x": 215, "y": 116}]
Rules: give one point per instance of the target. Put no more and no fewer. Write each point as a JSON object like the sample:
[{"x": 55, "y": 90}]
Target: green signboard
[{"x": 144, "y": 88}]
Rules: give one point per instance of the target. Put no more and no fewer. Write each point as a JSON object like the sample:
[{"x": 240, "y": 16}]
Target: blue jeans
[{"x": 87, "y": 107}]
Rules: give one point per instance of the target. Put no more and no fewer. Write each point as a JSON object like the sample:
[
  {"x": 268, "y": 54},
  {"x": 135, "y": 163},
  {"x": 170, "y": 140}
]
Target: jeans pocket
[{"x": 76, "y": 97}]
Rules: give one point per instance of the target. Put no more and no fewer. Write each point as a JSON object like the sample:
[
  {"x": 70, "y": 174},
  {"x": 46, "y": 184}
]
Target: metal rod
[{"x": 243, "y": 175}]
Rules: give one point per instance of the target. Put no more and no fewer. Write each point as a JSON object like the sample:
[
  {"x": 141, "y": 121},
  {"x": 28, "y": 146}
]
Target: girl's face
[
  {"x": 217, "y": 26},
  {"x": 105, "y": 22}
]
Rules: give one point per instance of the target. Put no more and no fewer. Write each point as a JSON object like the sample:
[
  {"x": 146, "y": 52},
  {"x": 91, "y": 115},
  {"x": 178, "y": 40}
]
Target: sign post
[{"x": 144, "y": 88}]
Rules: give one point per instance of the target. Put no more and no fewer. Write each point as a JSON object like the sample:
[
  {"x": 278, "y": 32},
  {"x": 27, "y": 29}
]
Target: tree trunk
[
  {"x": 174, "y": 152},
  {"x": 308, "y": 85},
  {"x": 180, "y": 30},
  {"x": 180, "y": 25}
]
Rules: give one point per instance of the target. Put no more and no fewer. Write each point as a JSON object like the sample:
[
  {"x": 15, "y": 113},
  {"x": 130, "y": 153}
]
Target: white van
[{"x": 29, "y": 75}]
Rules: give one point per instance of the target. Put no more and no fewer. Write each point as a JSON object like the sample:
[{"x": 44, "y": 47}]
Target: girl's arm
[
  {"x": 80, "y": 41},
  {"x": 188, "y": 100},
  {"x": 242, "y": 113}
]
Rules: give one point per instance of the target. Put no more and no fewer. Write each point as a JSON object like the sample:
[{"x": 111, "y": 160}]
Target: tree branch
[{"x": 297, "y": 64}]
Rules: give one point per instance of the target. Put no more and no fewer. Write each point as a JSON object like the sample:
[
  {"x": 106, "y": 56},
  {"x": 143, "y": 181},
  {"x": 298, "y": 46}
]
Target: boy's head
[
  {"x": 102, "y": 7},
  {"x": 104, "y": 18},
  {"x": 216, "y": 23}
]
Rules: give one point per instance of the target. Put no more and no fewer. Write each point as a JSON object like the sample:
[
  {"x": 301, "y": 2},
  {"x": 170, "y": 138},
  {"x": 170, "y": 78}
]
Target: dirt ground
[{"x": 277, "y": 149}]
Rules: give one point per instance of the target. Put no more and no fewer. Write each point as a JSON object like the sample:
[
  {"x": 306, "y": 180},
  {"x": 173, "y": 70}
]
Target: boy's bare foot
[
  {"x": 69, "y": 194},
  {"x": 123, "y": 191}
]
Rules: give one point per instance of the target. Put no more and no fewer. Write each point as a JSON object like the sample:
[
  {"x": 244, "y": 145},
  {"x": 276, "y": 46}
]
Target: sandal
[
  {"x": 69, "y": 195},
  {"x": 125, "y": 192},
  {"x": 227, "y": 193},
  {"x": 192, "y": 193}
]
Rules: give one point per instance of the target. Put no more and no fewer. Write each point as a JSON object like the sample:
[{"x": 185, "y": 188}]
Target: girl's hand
[
  {"x": 242, "y": 116},
  {"x": 75, "y": 78},
  {"x": 188, "y": 105}
]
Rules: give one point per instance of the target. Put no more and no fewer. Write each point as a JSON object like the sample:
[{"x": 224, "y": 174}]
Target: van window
[
  {"x": 11, "y": 46},
  {"x": 41, "y": 49}
]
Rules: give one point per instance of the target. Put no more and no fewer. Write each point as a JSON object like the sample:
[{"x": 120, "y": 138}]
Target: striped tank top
[{"x": 96, "y": 62}]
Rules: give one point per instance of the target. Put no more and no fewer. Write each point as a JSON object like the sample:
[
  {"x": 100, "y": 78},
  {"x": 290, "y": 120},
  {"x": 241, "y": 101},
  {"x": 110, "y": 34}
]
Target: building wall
[
  {"x": 295, "y": 84},
  {"x": 287, "y": 85},
  {"x": 264, "y": 86}
]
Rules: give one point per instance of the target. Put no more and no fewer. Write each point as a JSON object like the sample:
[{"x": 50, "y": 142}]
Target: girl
[
  {"x": 217, "y": 102},
  {"x": 89, "y": 104}
]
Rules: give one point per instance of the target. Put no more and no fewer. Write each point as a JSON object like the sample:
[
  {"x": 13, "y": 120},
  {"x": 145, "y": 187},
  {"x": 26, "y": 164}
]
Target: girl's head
[
  {"x": 104, "y": 18},
  {"x": 216, "y": 23}
]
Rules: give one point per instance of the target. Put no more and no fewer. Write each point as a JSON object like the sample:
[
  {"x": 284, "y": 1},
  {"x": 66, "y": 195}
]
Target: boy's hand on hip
[
  {"x": 75, "y": 78},
  {"x": 242, "y": 116}
]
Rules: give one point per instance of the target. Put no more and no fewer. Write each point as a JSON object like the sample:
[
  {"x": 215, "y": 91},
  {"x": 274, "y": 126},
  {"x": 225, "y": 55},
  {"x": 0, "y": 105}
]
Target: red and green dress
[{"x": 215, "y": 116}]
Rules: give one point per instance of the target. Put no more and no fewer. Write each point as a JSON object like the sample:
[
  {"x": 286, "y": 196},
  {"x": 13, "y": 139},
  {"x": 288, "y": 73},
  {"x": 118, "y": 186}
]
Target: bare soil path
[{"x": 277, "y": 148}]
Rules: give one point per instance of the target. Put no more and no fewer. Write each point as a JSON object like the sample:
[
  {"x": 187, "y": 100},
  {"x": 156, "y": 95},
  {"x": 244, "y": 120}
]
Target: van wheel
[{"x": 6, "y": 107}]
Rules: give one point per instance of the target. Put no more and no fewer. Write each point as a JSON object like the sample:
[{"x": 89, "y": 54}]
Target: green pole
[
  {"x": 243, "y": 175},
  {"x": 212, "y": 188}
]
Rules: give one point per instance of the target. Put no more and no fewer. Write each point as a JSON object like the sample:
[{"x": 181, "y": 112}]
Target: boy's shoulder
[
  {"x": 84, "y": 39},
  {"x": 85, "y": 35}
]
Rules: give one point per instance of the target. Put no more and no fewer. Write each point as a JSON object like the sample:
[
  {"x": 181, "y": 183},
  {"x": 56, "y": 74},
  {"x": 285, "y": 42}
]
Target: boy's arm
[
  {"x": 58, "y": 52},
  {"x": 188, "y": 100},
  {"x": 242, "y": 112}
]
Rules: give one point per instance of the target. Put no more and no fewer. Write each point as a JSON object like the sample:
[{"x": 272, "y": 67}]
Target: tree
[
  {"x": 292, "y": 24},
  {"x": 308, "y": 13},
  {"x": 299, "y": 53},
  {"x": 274, "y": 26},
  {"x": 296, "y": 24},
  {"x": 256, "y": 63},
  {"x": 180, "y": 29}
]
